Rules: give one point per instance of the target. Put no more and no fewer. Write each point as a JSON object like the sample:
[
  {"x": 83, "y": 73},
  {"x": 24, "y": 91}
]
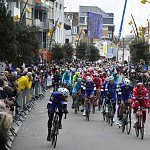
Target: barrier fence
[{"x": 26, "y": 101}]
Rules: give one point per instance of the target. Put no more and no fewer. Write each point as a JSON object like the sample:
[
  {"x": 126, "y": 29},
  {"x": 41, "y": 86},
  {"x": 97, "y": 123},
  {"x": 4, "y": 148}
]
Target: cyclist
[
  {"x": 66, "y": 78},
  {"x": 111, "y": 92},
  {"x": 98, "y": 84},
  {"x": 89, "y": 92},
  {"x": 56, "y": 79},
  {"x": 140, "y": 98},
  {"x": 124, "y": 98},
  {"x": 76, "y": 90},
  {"x": 57, "y": 100},
  {"x": 75, "y": 77},
  {"x": 102, "y": 95}
]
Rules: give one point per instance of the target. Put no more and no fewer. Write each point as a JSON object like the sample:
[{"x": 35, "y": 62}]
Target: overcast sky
[{"x": 139, "y": 11}]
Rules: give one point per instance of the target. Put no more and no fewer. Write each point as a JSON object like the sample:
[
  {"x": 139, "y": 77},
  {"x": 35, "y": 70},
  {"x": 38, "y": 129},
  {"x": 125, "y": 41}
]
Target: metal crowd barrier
[{"x": 26, "y": 101}]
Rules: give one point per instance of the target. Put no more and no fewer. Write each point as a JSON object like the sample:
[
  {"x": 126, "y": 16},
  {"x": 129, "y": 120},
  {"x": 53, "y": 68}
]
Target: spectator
[{"x": 25, "y": 82}]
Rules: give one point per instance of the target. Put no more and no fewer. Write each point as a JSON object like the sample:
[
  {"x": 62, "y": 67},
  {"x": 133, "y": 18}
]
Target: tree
[
  {"x": 81, "y": 50},
  {"x": 92, "y": 53},
  {"x": 8, "y": 49},
  {"x": 27, "y": 44},
  {"x": 57, "y": 52},
  {"x": 139, "y": 50},
  {"x": 68, "y": 52}
]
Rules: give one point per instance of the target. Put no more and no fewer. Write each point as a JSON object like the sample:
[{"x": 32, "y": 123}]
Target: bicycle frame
[{"x": 140, "y": 122}]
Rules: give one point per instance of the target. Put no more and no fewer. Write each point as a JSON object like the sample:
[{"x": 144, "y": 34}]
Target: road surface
[{"x": 77, "y": 133}]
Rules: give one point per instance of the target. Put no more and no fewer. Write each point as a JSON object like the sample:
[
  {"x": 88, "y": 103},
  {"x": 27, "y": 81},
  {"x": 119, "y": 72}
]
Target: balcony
[
  {"x": 42, "y": 25},
  {"x": 37, "y": 23},
  {"x": 41, "y": 4}
]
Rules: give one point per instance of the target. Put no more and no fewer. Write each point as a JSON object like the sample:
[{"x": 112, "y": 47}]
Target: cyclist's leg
[
  {"x": 50, "y": 116},
  {"x": 85, "y": 103},
  {"x": 73, "y": 98},
  {"x": 143, "y": 104},
  {"x": 135, "y": 108}
]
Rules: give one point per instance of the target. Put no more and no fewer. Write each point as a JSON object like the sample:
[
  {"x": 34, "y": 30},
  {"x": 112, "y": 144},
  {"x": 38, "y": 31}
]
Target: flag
[{"x": 105, "y": 48}]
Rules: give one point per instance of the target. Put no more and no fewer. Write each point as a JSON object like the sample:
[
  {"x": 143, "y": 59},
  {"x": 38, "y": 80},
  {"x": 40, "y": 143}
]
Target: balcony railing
[
  {"x": 42, "y": 25},
  {"x": 41, "y": 4}
]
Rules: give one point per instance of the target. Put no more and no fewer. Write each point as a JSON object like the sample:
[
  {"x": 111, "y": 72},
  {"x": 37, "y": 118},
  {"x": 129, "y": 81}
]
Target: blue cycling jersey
[
  {"x": 111, "y": 90},
  {"x": 66, "y": 78},
  {"x": 56, "y": 101},
  {"x": 126, "y": 93},
  {"x": 76, "y": 88}
]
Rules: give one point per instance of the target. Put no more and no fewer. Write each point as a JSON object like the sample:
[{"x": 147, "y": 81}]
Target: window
[
  {"x": 82, "y": 19},
  {"x": 108, "y": 21},
  {"x": 66, "y": 41}
]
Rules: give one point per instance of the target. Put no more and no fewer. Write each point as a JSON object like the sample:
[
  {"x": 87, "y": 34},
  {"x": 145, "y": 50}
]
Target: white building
[{"x": 59, "y": 16}]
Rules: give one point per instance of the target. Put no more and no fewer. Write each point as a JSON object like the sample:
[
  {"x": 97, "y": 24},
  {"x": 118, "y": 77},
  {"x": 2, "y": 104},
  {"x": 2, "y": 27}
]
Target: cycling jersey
[
  {"x": 111, "y": 90},
  {"x": 89, "y": 88},
  {"x": 56, "y": 102},
  {"x": 76, "y": 88},
  {"x": 124, "y": 93},
  {"x": 66, "y": 78},
  {"x": 98, "y": 83}
]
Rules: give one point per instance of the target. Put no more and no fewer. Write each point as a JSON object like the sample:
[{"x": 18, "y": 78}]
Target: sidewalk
[{"x": 30, "y": 131}]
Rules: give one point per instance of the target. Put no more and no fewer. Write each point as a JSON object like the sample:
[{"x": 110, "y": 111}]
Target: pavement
[{"x": 77, "y": 133}]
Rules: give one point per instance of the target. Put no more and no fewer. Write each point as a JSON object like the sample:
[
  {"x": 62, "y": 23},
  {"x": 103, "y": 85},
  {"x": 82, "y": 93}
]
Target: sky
[{"x": 140, "y": 11}]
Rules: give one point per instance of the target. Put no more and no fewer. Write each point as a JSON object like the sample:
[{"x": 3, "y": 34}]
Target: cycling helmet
[
  {"x": 140, "y": 85},
  {"x": 73, "y": 70},
  {"x": 107, "y": 79},
  {"x": 96, "y": 75},
  {"x": 67, "y": 71},
  {"x": 64, "y": 92},
  {"x": 77, "y": 73},
  {"x": 127, "y": 82},
  {"x": 89, "y": 79},
  {"x": 111, "y": 78},
  {"x": 79, "y": 79},
  {"x": 57, "y": 71}
]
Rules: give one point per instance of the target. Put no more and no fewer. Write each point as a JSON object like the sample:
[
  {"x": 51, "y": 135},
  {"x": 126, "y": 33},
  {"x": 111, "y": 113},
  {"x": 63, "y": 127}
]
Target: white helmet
[
  {"x": 107, "y": 79},
  {"x": 127, "y": 82},
  {"x": 63, "y": 91},
  {"x": 88, "y": 79},
  {"x": 111, "y": 78}
]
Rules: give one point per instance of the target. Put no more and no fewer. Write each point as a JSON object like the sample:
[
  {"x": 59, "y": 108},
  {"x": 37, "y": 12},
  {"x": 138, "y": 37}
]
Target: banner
[{"x": 105, "y": 48}]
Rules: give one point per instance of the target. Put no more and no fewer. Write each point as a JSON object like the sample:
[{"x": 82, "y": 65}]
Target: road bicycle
[
  {"x": 126, "y": 118},
  {"x": 55, "y": 127},
  {"x": 139, "y": 125}
]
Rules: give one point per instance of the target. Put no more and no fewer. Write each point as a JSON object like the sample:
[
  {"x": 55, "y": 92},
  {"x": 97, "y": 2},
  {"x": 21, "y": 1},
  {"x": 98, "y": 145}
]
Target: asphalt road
[{"x": 77, "y": 133}]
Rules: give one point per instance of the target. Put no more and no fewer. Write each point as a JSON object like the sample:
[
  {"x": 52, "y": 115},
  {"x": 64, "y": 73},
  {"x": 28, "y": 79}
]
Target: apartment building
[{"x": 44, "y": 15}]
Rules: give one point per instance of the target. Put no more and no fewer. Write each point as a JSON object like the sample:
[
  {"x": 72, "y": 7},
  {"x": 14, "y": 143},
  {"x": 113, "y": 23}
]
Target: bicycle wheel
[
  {"x": 111, "y": 116},
  {"x": 141, "y": 127},
  {"x": 104, "y": 112},
  {"x": 75, "y": 106},
  {"x": 128, "y": 122},
  {"x": 55, "y": 141},
  {"x": 87, "y": 115},
  {"x": 93, "y": 109},
  {"x": 123, "y": 125},
  {"x": 137, "y": 129}
]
